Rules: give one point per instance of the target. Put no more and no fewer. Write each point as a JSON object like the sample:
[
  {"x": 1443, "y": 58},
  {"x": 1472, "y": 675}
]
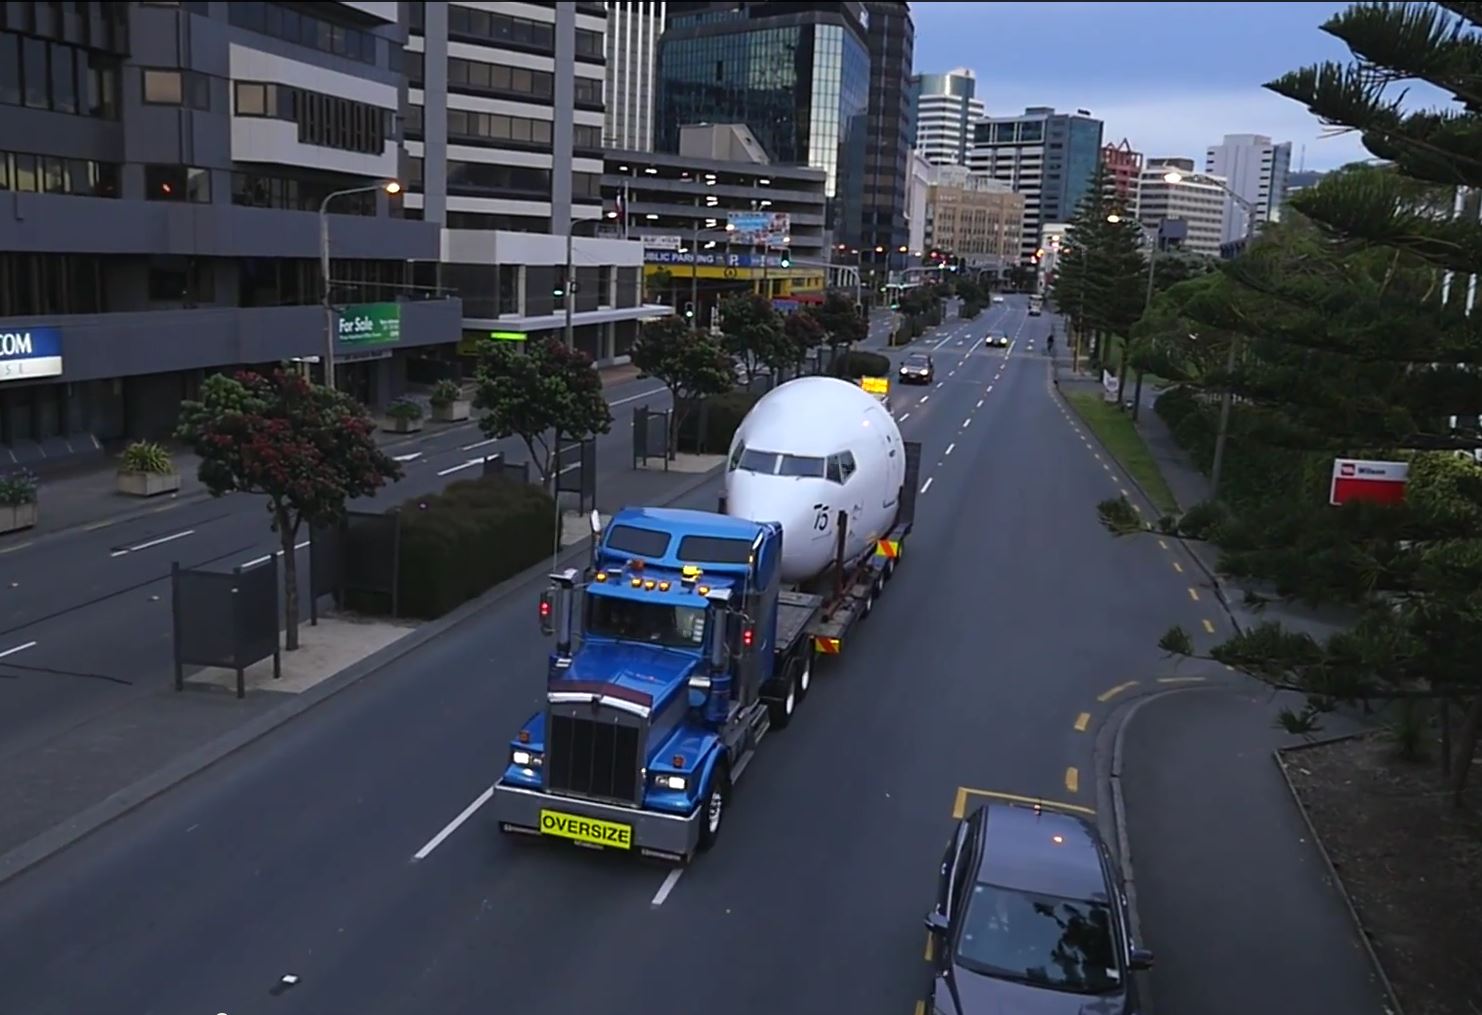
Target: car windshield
[
  {"x": 1057, "y": 943},
  {"x": 611, "y": 616},
  {"x": 916, "y": 361}
]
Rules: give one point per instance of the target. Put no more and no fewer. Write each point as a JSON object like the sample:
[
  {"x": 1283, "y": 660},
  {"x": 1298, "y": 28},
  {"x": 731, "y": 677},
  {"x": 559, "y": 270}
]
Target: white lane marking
[
  {"x": 670, "y": 881},
  {"x": 927, "y": 485},
  {"x": 923, "y": 399},
  {"x": 459, "y": 468},
  {"x": 905, "y": 416},
  {"x": 940, "y": 383},
  {"x": 967, "y": 422},
  {"x": 479, "y": 444},
  {"x": 990, "y": 389},
  {"x": 941, "y": 343},
  {"x": 153, "y": 542},
  {"x": 1010, "y": 350},
  {"x": 979, "y": 405},
  {"x": 410, "y": 457},
  {"x": 452, "y": 826},
  {"x": 950, "y": 447},
  {"x": 18, "y": 648},
  {"x": 642, "y": 394},
  {"x": 269, "y": 556}
]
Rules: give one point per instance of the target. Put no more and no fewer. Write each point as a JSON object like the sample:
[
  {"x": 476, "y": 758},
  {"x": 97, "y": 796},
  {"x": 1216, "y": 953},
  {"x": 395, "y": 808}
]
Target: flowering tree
[{"x": 308, "y": 449}]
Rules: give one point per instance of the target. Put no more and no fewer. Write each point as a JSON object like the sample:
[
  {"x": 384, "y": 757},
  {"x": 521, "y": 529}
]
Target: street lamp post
[
  {"x": 1217, "y": 468},
  {"x": 390, "y": 187}
]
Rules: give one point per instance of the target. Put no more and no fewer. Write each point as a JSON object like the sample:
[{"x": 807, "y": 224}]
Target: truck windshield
[{"x": 654, "y": 623}]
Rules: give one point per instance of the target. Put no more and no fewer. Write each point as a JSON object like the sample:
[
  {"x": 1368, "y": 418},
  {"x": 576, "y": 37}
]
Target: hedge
[
  {"x": 859, "y": 363},
  {"x": 464, "y": 541},
  {"x": 707, "y": 428}
]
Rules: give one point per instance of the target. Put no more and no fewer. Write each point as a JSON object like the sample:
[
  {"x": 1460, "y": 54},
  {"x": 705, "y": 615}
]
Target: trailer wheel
[
  {"x": 712, "y": 813},
  {"x": 782, "y": 710},
  {"x": 890, "y": 567},
  {"x": 805, "y": 672},
  {"x": 870, "y": 597}
]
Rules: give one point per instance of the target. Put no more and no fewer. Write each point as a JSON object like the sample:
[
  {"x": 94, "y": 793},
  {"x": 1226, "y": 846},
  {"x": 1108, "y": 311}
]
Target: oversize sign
[
  {"x": 371, "y": 324},
  {"x": 29, "y": 353},
  {"x": 1375, "y": 482},
  {"x": 590, "y": 830}
]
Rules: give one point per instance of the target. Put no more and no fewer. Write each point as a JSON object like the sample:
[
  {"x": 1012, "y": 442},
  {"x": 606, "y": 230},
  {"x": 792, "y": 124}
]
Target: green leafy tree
[
  {"x": 752, "y": 332},
  {"x": 659, "y": 283},
  {"x": 1356, "y": 341},
  {"x": 542, "y": 392},
  {"x": 692, "y": 365},
  {"x": 843, "y": 324},
  {"x": 804, "y": 331},
  {"x": 306, "y": 448}
]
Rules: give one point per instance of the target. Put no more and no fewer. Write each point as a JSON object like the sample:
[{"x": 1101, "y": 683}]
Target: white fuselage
[{"x": 807, "y": 450}]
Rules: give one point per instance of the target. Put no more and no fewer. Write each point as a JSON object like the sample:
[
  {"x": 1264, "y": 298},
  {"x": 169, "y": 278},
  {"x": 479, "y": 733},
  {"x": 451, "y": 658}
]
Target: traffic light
[
  {"x": 558, "y": 292},
  {"x": 786, "y": 261},
  {"x": 689, "y": 310}
]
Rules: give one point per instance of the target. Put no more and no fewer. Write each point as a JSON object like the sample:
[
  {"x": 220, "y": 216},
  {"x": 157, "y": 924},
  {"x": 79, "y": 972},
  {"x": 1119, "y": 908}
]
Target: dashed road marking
[
  {"x": 959, "y": 805},
  {"x": 966, "y": 422},
  {"x": 1193, "y": 594},
  {"x": 1181, "y": 680},
  {"x": 1177, "y": 566},
  {"x": 18, "y": 648},
  {"x": 1108, "y": 695},
  {"x": 905, "y": 416},
  {"x": 923, "y": 399},
  {"x": 1162, "y": 544},
  {"x": 1208, "y": 627},
  {"x": 153, "y": 542},
  {"x": 452, "y": 826},
  {"x": 670, "y": 881},
  {"x": 1082, "y": 721},
  {"x": 927, "y": 486},
  {"x": 979, "y": 405},
  {"x": 1073, "y": 779},
  {"x": 950, "y": 447},
  {"x": 269, "y": 556}
]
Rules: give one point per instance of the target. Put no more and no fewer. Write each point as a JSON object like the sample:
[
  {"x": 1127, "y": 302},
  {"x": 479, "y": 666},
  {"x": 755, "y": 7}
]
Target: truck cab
[{"x": 664, "y": 677}]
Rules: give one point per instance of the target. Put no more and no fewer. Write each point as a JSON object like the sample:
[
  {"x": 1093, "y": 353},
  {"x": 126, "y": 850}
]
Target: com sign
[{"x": 30, "y": 353}]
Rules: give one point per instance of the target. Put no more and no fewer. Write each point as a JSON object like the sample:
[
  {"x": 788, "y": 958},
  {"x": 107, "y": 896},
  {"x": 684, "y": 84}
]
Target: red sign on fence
[{"x": 1375, "y": 482}]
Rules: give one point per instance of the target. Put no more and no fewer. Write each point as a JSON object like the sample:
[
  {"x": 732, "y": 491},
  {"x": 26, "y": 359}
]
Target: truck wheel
[
  {"x": 712, "y": 811},
  {"x": 870, "y": 597},
  {"x": 805, "y": 673},
  {"x": 782, "y": 710}
]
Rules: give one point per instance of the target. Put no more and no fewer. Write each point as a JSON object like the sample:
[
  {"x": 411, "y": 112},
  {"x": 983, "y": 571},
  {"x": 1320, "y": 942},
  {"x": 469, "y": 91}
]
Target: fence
[
  {"x": 225, "y": 619},
  {"x": 357, "y": 560}
]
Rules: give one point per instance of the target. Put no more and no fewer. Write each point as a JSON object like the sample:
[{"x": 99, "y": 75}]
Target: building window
[
  {"x": 257, "y": 190},
  {"x": 501, "y": 29},
  {"x": 589, "y": 44},
  {"x": 168, "y": 87},
  {"x": 483, "y": 177},
  {"x": 284, "y": 22},
  {"x": 588, "y": 91},
  {"x": 587, "y": 185},
  {"x": 583, "y": 136},
  {"x": 177, "y": 183},
  {"x": 412, "y": 123},
  {"x": 50, "y": 175},
  {"x": 470, "y": 125},
  {"x": 64, "y": 79},
  {"x": 414, "y": 63},
  {"x": 33, "y": 54},
  {"x": 477, "y": 76},
  {"x": 323, "y": 120}
]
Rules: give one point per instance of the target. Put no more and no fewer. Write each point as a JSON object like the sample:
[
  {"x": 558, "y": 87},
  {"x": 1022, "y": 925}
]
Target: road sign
[
  {"x": 663, "y": 242},
  {"x": 1375, "y": 482}
]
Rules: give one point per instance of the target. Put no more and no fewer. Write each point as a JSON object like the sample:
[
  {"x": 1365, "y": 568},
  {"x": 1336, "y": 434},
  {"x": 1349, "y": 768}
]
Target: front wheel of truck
[{"x": 712, "y": 814}]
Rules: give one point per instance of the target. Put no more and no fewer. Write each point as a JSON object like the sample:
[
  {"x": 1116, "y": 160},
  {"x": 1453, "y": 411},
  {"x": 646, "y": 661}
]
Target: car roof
[
  {"x": 1020, "y": 853},
  {"x": 918, "y": 355}
]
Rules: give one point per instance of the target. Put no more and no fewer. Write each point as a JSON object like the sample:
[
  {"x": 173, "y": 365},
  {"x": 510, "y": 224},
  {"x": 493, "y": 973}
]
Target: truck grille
[{"x": 592, "y": 759}]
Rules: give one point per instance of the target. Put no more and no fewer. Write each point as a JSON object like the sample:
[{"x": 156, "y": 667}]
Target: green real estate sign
[{"x": 371, "y": 324}]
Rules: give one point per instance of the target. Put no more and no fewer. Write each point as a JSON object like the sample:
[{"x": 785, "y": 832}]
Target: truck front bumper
[{"x": 593, "y": 824}]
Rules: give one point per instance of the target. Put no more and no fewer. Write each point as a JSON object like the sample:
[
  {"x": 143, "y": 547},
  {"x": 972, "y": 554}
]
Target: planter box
[
  {"x": 148, "y": 484},
  {"x": 403, "y": 425},
  {"x": 20, "y": 516},
  {"x": 455, "y": 412}
]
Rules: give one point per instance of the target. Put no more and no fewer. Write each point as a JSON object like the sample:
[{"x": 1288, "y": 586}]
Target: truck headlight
[
  {"x": 674, "y": 782},
  {"x": 525, "y": 759}
]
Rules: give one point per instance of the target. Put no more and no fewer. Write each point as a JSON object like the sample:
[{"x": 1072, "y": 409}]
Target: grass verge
[{"x": 1115, "y": 430}]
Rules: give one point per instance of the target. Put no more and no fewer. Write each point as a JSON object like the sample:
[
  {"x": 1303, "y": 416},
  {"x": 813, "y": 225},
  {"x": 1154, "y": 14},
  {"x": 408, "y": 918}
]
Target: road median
[{"x": 1118, "y": 435}]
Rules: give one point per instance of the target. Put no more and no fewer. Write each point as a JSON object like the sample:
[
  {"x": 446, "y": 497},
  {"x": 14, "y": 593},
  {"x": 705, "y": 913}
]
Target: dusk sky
[{"x": 1171, "y": 77}]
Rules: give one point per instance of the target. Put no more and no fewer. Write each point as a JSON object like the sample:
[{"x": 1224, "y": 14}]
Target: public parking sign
[{"x": 1374, "y": 482}]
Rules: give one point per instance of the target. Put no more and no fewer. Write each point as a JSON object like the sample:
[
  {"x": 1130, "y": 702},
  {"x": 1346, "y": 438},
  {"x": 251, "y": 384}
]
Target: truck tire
[
  {"x": 870, "y": 597},
  {"x": 805, "y": 670},
  {"x": 783, "y": 708},
  {"x": 712, "y": 811}
]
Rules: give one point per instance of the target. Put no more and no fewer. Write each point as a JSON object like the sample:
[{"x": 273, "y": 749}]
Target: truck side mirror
[
  {"x": 548, "y": 612},
  {"x": 1141, "y": 958}
]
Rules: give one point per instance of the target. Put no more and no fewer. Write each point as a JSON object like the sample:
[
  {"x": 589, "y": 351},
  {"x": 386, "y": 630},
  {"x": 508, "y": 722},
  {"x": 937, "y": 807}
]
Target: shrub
[
  {"x": 721, "y": 415},
  {"x": 858, "y": 363},
  {"x": 404, "y": 408},
  {"x": 147, "y": 456},
  {"x": 17, "y": 488},
  {"x": 445, "y": 392},
  {"x": 460, "y": 543},
  {"x": 969, "y": 310}
]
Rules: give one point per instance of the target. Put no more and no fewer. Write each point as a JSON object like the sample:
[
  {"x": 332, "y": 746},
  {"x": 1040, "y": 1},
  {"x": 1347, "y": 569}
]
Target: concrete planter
[
  {"x": 147, "y": 484},
  {"x": 403, "y": 425},
  {"x": 13, "y": 518},
  {"x": 453, "y": 412}
]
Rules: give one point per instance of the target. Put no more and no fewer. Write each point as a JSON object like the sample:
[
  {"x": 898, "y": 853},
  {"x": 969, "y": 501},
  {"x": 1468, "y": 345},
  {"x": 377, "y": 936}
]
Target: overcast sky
[{"x": 1171, "y": 77}]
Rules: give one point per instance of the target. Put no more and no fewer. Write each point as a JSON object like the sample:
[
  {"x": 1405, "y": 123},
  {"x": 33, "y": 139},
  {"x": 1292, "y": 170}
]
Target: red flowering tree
[{"x": 306, "y": 448}]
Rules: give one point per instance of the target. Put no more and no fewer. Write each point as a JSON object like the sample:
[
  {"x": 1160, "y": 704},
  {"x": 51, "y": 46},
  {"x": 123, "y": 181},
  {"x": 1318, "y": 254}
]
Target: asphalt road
[{"x": 1011, "y": 613}]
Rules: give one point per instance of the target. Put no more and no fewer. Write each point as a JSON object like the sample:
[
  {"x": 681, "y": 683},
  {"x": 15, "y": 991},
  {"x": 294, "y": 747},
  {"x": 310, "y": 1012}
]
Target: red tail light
[
  {"x": 746, "y": 637},
  {"x": 545, "y": 609}
]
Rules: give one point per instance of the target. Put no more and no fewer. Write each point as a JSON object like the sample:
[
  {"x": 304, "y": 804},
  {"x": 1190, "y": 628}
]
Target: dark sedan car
[
  {"x": 997, "y": 340},
  {"x": 917, "y": 368},
  {"x": 1030, "y": 919}
]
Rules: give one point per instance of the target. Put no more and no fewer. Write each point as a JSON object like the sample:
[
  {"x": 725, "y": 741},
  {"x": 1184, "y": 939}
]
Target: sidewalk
[
  {"x": 1232, "y": 896},
  {"x": 87, "y": 494}
]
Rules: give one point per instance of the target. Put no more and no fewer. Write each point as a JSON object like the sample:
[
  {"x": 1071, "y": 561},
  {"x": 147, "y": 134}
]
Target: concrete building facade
[
  {"x": 976, "y": 219},
  {"x": 1257, "y": 170},
  {"x": 162, "y": 171},
  {"x": 505, "y": 115},
  {"x": 633, "y": 31},
  {"x": 919, "y": 189},
  {"x": 1124, "y": 173},
  {"x": 1048, "y": 157},
  {"x": 946, "y": 108},
  {"x": 1197, "y": 201}
]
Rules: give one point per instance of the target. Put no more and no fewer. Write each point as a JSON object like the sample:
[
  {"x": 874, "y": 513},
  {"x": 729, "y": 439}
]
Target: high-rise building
[
  {"x": 971, "y": 217},
  {"x": 1256, "y": 170},
  {"x": 1123, "y": 172},
  {"x": 767, "y": 65},
  {"x": 946, "y": 107},
  {"x": 1048, "y": 157},
  {"x": 1169, "y": 191},
  {"x": 633, "y": 31},
  {"x": 892, "y": 43},
  {"x": 504, "y": 126},
  {"x": 166, "y": 166},
  {"x": 918, "y": 189}
]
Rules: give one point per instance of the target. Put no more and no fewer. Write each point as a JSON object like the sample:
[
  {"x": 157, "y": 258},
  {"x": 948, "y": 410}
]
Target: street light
[{"x": 390, "y": 187}]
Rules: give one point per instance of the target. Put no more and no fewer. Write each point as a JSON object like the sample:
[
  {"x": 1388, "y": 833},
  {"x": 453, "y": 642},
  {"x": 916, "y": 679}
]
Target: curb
[
  {"x": 1215, "y": 582},
  {"x": 1391, "y": 998},
  {"x": 57, "y": 838}
]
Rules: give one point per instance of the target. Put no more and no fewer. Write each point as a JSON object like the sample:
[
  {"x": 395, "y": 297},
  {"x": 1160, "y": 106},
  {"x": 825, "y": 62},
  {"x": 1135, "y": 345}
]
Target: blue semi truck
[{"x": 690, "y": 652}]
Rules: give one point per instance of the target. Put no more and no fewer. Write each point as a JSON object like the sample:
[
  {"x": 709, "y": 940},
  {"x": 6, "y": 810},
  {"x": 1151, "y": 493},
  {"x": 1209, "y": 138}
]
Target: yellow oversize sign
[
  {"x": 598, "y": 833},
  {"x": 875, "y": 385}
]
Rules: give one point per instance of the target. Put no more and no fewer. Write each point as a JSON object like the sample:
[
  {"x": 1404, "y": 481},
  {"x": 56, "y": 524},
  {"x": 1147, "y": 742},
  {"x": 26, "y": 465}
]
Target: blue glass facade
[{"x": 800, "y": 82}]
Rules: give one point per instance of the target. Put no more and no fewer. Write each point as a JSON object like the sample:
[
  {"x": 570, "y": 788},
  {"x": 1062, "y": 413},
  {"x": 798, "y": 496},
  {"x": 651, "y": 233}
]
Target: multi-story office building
[
  {"x": 1197, "y": 200},
  {"x": 1257, "y": 170},
  {"x": 765, "y": 65},
  {"x": 504, "y": 130},
  {"x": 633, "y": 31},
  {"x": 971, "y": 217},
  {"x": 677, "y": 206},
  {"x": 162, "y": 168},
  {"x": 1123, "y": 173},
  {"x": 892, "y": 44},
  {"x": 1048, "y": 157},
  {"x": 917, "y": 192},
  {"x": 946, "y": 108}
]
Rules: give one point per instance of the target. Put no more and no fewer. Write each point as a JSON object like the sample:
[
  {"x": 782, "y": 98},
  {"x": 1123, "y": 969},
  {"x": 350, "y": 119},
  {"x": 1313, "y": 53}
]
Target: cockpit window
[
  {"x": 801, "y": 465},
  {"x": 841, "y": 467},
  {"x": 772, "y": 463}
]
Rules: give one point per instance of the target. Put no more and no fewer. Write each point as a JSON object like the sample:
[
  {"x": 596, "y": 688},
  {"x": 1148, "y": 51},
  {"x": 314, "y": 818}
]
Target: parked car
[
  {"x": 1031, "y": 917},
  {"x": 917, "y": 368}
]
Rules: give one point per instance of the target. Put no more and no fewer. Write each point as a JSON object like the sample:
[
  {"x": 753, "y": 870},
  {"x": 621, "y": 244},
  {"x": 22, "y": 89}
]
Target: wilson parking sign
[{"x": 1375, "y": 482}]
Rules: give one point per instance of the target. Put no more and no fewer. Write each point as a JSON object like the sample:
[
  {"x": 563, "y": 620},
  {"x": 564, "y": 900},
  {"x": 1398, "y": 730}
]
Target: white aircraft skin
[{"x": 778, "y": 470}]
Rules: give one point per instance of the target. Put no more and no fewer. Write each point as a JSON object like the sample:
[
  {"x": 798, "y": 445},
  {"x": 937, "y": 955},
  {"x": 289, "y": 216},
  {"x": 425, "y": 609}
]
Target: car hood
[{"x": 983, "y": 995}]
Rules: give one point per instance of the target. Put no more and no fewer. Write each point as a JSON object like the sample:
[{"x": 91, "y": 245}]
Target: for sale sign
[{"x": 1375, "y": 482}]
